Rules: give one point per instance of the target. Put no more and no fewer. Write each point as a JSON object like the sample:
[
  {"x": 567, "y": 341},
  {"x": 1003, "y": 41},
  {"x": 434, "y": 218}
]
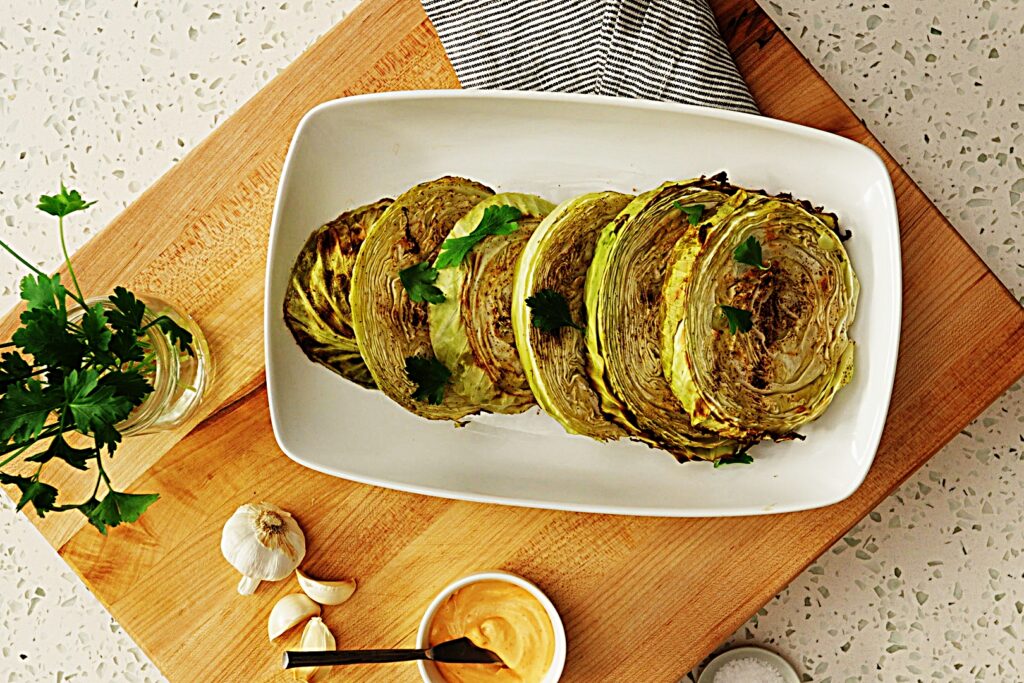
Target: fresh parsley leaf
[
  {"x": 129, "y": 384},
  {"x": 178, "y": 335},
  {"x": 550, "y": 311},
  {"x": 93, "y": 408},
  {"x": 44, "y": 336},
  {"x": 749, "y": 252},
  {"x": 94, "y": 327},
  {"x": 42, "y": 496},
  {"x": 125, "y": 346},
  {"x": 430, "y": 377},
  {"x": 13, "y": 369},
  {"x": 106, "y": 435},
  {"x": 739, "y": 320},
  {"x": 24, "y": 409},
  {"x": 117, "y": 507},
  {"x": 419, "y": 281},
  {"x": 738, "y": 459},
  {"x": 128, "y": 312},
  {"x": 693, "y": 211},
  {"x": 60, "y": 449},
  {"x": 42, "y": 292},
  {"x": 64, "y": 203},
  {"x": 497, "y": 220}
]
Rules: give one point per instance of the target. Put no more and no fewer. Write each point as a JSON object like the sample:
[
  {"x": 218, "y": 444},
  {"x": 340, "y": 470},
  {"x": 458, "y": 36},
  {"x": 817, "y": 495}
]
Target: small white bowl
[
  {"x": 765, "y": 655},
  {"x": 429, "y": 672}
]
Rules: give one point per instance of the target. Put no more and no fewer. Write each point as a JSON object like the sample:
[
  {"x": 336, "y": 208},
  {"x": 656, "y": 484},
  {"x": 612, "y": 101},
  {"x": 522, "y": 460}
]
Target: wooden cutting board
[{"x": 643, "y": 599}]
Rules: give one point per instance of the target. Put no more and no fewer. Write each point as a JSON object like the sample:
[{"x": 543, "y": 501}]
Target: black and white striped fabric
[{"x": 651, "y": 49}]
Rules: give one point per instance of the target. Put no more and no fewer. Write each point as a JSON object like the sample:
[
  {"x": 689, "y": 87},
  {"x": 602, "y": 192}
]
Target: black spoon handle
[{"x": 294, "y": 659}]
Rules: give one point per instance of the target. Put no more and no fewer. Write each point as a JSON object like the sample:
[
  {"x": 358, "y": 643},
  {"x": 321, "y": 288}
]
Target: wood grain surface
[{"x": 643, "y": 599}]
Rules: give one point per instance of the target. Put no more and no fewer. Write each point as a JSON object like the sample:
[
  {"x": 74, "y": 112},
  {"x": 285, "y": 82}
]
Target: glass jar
[{"x": 179, "y": 380}]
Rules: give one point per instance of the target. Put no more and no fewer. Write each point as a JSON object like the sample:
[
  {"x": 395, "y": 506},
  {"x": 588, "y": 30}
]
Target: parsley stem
[
  {"x": 154, "y": 321},
  {"x": 25, "y": 444},
  {"x": 77, "y": 297},
  {"x": 18, "y": 256},
  {"x": 67, "y": 260},
  {"x": 70, "y": 506},
  {"x": 103, "y": 473},
  {"x": 22, "y": 447}
]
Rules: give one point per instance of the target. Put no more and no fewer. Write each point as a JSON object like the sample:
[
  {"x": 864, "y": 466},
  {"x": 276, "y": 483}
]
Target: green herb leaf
[
  {"x": 738, "y": 459},
  {"x": 106, "y": 435},
  {"x": 430, "y": 377},
  {"x": 42, "y": 496},
  {"x": 550, "y": 311},
  {"x": 739, "y": 320},
  {"x": 178, "y": 335},
  {"x": 128, "y": 384},
  {"x": 693, "y": 211},
  {"x": 749, "y": 252},
  {"x": 117, "y": 507},
  {"x": 41, "y": 292},
  {"x": 64, "y": 203},
  {"x": 497, "y": 220},
  {"x": 94, "y": 327},
  {"x": 93, "y": 408},
  {"x": 13, "y": 369},
  {"x": 60, "y": 449},
  {"x": 24, "y": 409},
  {"x": 419, "y": 281},
  {"x": 44, "y": 336},
  {"x": 129, "y": 311},
  {"x": 126, "y": 347}
]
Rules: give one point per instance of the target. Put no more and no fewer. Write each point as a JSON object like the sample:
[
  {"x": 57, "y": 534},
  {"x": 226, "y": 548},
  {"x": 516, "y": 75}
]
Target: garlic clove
[
  {"x": 315, "y": 637},
  {"x": 263, "y": 542},
  {"x": 288, "y": 612},
  {"x": 326, "y": 592}
]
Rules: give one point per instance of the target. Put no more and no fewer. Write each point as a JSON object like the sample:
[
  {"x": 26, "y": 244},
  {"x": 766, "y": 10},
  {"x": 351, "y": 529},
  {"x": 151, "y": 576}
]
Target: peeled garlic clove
[
  {"x": 326, "y": 592},
  {"x": 263, "y": 542},
  {"x": 315, "y": 637},
  {"x": 288, "y": 612}
]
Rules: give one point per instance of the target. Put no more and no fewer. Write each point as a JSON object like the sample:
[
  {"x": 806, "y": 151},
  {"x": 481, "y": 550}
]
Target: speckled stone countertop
[{"x": 927, "y": 588}]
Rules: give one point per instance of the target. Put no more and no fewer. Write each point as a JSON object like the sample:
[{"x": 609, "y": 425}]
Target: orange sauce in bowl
[{"x": 503, "y": 618}]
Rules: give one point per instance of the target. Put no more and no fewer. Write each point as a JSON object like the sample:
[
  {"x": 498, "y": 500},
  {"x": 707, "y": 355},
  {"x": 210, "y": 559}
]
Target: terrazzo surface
[{"x": 927, "y": 588}]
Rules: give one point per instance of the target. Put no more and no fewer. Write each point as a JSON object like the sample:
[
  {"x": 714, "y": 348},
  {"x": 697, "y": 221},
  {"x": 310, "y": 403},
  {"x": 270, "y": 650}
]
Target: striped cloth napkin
[{"x": 650, "y": 49}]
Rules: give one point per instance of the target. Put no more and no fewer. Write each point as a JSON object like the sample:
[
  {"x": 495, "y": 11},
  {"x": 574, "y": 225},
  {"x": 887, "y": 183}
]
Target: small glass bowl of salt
[{"x": 748, "y": 665}]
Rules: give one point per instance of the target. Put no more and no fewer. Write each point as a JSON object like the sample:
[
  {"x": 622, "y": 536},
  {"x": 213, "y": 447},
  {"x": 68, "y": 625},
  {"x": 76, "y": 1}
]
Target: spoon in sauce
[{"x": 458, "y": 651}]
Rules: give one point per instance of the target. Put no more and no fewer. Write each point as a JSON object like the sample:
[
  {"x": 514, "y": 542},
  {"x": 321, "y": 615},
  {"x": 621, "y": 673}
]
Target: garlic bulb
[
  {"x": 288, "y": 612},
  {"x": 315, "y": 637},
  {"x": 326, "y": 592},
  {"x": 263, "y": 542}
]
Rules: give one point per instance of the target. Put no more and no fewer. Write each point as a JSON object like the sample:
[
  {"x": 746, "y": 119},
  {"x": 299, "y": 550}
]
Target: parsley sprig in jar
[{"x": 80, "y": 374}]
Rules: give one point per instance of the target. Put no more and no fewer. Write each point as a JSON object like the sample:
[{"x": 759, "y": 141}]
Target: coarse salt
[{"x": 748, "y": 670}]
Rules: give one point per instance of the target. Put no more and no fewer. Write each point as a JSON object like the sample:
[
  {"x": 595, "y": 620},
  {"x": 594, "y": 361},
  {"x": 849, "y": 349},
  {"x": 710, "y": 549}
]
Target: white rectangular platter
[{"x": 356, "y": 150}]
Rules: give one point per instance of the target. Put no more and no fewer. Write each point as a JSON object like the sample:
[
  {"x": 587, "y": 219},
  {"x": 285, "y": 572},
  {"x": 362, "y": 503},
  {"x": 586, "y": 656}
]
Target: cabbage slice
[
  {"x": 316, "y": 302},
  {"x": 784, "y": 371},
  {"x": 557, "y": 258},
  {"x": 390, "y": 327},
  {"x": 625, "y": 310},
  {"x": 471, "y": 331}
]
